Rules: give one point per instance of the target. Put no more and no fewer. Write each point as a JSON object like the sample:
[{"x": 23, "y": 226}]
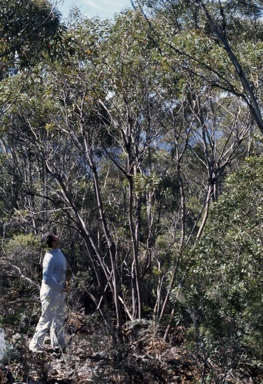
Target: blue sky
[{"x": 91, "y": 8}]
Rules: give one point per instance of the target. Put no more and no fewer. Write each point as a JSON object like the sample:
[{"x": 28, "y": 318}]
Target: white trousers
[{"x": 52, "y": 317}]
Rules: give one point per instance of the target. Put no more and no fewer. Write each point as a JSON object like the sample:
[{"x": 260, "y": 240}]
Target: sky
[{"x": 90, "y": 8}]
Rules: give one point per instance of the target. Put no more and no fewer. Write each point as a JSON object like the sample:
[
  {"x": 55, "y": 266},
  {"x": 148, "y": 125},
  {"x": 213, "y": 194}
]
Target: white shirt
[{"x": 54, "y": 269}]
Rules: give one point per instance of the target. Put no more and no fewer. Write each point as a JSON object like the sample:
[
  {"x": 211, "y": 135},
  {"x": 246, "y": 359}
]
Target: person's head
[{"x": 51, "y": 240}]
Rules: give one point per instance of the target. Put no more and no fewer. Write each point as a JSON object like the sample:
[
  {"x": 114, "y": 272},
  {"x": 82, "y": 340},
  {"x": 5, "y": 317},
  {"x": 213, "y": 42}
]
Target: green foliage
[
  {"x": 23, "y": 253},
  {"x": 28, "y": 31},
  {"x": 224, "y": 288}
]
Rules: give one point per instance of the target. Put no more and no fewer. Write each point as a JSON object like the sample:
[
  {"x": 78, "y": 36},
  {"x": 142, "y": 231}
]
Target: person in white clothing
[{"x": 52, "y": 296}]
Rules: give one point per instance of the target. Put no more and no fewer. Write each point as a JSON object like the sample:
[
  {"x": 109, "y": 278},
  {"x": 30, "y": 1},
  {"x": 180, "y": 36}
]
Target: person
[{"x": 52, "y": 296}]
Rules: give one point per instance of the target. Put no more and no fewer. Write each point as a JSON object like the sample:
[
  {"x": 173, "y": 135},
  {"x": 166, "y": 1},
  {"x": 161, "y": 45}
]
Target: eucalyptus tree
[{"x": 136, "y": 115}]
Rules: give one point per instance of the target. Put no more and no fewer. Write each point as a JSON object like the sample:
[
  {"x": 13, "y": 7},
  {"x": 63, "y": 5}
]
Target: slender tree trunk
[
  {"x": 134, "y": 230},
  {"x": 206, "y": 210}
]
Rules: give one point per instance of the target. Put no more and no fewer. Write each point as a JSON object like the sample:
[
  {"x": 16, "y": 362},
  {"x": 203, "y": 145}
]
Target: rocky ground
[
  {"x": 91, "y": 358},
  {"x": 144, "y": 357}
]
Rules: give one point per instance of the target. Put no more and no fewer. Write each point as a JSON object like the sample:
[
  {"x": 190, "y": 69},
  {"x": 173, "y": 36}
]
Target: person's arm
[{"x": 48, "y": 268}]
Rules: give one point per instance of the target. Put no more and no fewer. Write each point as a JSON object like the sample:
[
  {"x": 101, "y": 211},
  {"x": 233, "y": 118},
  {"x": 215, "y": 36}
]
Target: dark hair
[{"x": 47, "y": 239}]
